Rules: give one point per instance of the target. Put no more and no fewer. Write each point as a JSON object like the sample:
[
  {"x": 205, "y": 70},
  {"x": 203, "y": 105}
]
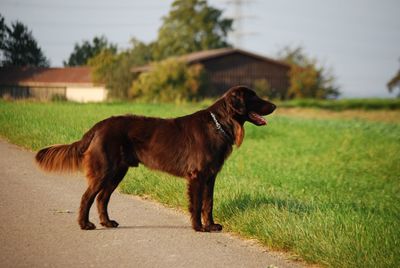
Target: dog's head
[{"x": 247, "y": 106}]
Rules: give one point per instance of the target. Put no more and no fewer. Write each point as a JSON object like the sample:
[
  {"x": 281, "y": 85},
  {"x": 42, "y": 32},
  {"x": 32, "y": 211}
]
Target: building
[
  {"x": 229, "y": 67},
  {"x": 72, "y": 83}
]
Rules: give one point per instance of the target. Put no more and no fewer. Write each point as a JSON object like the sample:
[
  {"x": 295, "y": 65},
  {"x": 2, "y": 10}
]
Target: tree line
[{"x": 190, "y": 26}]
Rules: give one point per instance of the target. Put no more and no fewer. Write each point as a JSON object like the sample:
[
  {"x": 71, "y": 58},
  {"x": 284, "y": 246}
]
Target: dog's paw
[
  {"x": 199, "y": 228},
  {"x": 110, "y": 224},
  {"x": 213, "y": 228},
  {"x": 87, "y": 225},
  {"x": 208, "y": 228}
]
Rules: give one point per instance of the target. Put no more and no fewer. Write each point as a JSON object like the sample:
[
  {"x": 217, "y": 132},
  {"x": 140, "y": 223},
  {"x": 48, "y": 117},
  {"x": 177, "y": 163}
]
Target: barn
[
  {"x": 228, "y": 67},
  {"x": 72, "y": 83}
]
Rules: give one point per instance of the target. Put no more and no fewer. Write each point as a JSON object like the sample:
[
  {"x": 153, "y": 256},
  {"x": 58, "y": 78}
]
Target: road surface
[{"x": 38, "y": 227}]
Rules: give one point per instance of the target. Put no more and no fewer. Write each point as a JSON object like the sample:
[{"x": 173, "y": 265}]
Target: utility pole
[
  {"x": 238, "y": 22},
  {"x": 238, "y": 18}
]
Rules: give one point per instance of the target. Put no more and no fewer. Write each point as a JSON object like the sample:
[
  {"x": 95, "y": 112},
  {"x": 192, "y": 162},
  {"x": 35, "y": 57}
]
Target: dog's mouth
[{"x": 257, "y": 119}]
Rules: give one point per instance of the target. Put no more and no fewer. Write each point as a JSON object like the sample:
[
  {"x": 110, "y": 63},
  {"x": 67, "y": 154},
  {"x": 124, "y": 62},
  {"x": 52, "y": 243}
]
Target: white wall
[{"x": 86, "y": 94}]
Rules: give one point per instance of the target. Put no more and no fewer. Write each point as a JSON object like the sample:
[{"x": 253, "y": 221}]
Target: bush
[
  {"x": 308, "y": 79},
  {"x": 58, "y": 98},
  {"x": 114, "y": 69},
  {"x": 262, "y": 87},
  {"x": 170, "y": 80}
]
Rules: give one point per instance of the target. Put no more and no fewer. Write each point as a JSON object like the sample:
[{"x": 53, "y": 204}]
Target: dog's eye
[{"x": 253, "y": 97}]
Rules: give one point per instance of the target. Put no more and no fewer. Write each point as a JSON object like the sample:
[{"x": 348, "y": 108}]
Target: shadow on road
[{"x": 146, "y": 227}]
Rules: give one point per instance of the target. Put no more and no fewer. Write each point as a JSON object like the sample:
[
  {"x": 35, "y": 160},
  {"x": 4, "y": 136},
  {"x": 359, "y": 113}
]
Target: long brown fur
[
  {"x": 60, "y": 158},
  {"x": 64, "y": 157},
  {"x": 192, "y": 147}
]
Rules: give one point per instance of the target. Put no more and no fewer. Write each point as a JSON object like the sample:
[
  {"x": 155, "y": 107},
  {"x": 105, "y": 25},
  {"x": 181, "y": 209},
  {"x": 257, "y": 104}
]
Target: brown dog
[{"x": 193, "y": 146}]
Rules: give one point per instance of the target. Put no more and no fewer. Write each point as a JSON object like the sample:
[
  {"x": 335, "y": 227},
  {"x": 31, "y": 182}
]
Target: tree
[
  {"x": 191, "y": 25},
  {"x": 3, "y": 35},
  {"x": 394, "y": 83},
  {"x": 114, "y": 70},
  {"x": 19, "y": 47},
  {"x": 307, "y": 79},
  {"x": 170, "y": 80},
  {"x": 83, "y": 52}
]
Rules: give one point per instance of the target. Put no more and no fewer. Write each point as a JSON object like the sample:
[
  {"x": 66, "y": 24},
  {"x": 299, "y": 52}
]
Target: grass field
[
  {"x": 326, "y": 190},
  {"x": 344, "y": 104}
]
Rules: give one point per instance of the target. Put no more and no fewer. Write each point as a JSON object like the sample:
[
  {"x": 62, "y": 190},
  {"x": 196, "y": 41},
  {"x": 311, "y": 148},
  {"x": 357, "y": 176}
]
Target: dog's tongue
[{"x": 258, "y": 119}]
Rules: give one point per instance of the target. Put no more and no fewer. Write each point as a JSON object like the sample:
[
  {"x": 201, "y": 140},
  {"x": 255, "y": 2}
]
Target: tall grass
[
  {"x": 344, "y": 104},
  {"x": 326, "y": 190}
]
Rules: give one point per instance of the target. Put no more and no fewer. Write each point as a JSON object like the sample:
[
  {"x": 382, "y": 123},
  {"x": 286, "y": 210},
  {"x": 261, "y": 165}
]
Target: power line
[
  {"x": 61, "y": 6},
  {"x": 70, "y": 24}
]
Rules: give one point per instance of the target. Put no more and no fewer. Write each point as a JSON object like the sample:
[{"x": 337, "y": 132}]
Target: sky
[{"x": 357, "y": 40}]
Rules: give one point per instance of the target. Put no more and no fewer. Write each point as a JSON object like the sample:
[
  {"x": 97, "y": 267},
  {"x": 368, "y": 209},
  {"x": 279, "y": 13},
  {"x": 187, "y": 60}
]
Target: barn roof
[
  {"x": 201, "y": 56},
  {"x": 216, "y": 53},
  {"x": 45, "y": 76}
]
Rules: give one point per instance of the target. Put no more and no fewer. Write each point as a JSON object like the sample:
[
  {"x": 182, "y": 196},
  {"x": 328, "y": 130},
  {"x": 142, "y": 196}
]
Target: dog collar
[{"x": 218, "y": 125}]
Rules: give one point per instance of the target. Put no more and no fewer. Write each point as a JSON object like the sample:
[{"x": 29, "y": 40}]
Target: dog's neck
[
  {"x": 226, "y": 122},
  {"x": 218, "y": 125}
]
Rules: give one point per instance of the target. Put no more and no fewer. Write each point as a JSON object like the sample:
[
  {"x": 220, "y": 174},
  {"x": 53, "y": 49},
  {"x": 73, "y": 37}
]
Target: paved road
[{"x": 39, "y": 229}]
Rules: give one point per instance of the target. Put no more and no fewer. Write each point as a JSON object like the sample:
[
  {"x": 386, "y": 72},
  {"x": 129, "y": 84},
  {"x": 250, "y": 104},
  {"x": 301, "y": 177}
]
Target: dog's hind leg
[
  {"x": 96, "y": 167},
  {"x": 86, "y": 202},
  {"x": 104, "y": 196}
]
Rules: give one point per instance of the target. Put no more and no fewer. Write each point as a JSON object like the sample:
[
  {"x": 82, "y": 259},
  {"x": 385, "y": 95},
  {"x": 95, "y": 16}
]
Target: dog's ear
[
  {"x": 235, "y": 101},
  {"x": 239, "y": 133}
]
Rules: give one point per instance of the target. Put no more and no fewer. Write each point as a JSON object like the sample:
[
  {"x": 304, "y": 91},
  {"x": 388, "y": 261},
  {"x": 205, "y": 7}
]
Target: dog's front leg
[
  {"x": 195, "y": 192},
  {"x": 207, "y": 207}
]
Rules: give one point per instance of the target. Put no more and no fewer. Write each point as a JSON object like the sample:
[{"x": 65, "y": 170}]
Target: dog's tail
[{"x": 65, "y": 157}]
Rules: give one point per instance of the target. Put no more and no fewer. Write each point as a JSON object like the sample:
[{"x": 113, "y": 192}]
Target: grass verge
[
  {"x": 344, "y": 104},
  {"x": 327, "y": 190}
]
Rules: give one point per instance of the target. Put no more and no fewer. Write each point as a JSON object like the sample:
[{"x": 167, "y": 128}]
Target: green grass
[
  {"x": 343, "y": 104},
  {"x": 325, "y": 190}
]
